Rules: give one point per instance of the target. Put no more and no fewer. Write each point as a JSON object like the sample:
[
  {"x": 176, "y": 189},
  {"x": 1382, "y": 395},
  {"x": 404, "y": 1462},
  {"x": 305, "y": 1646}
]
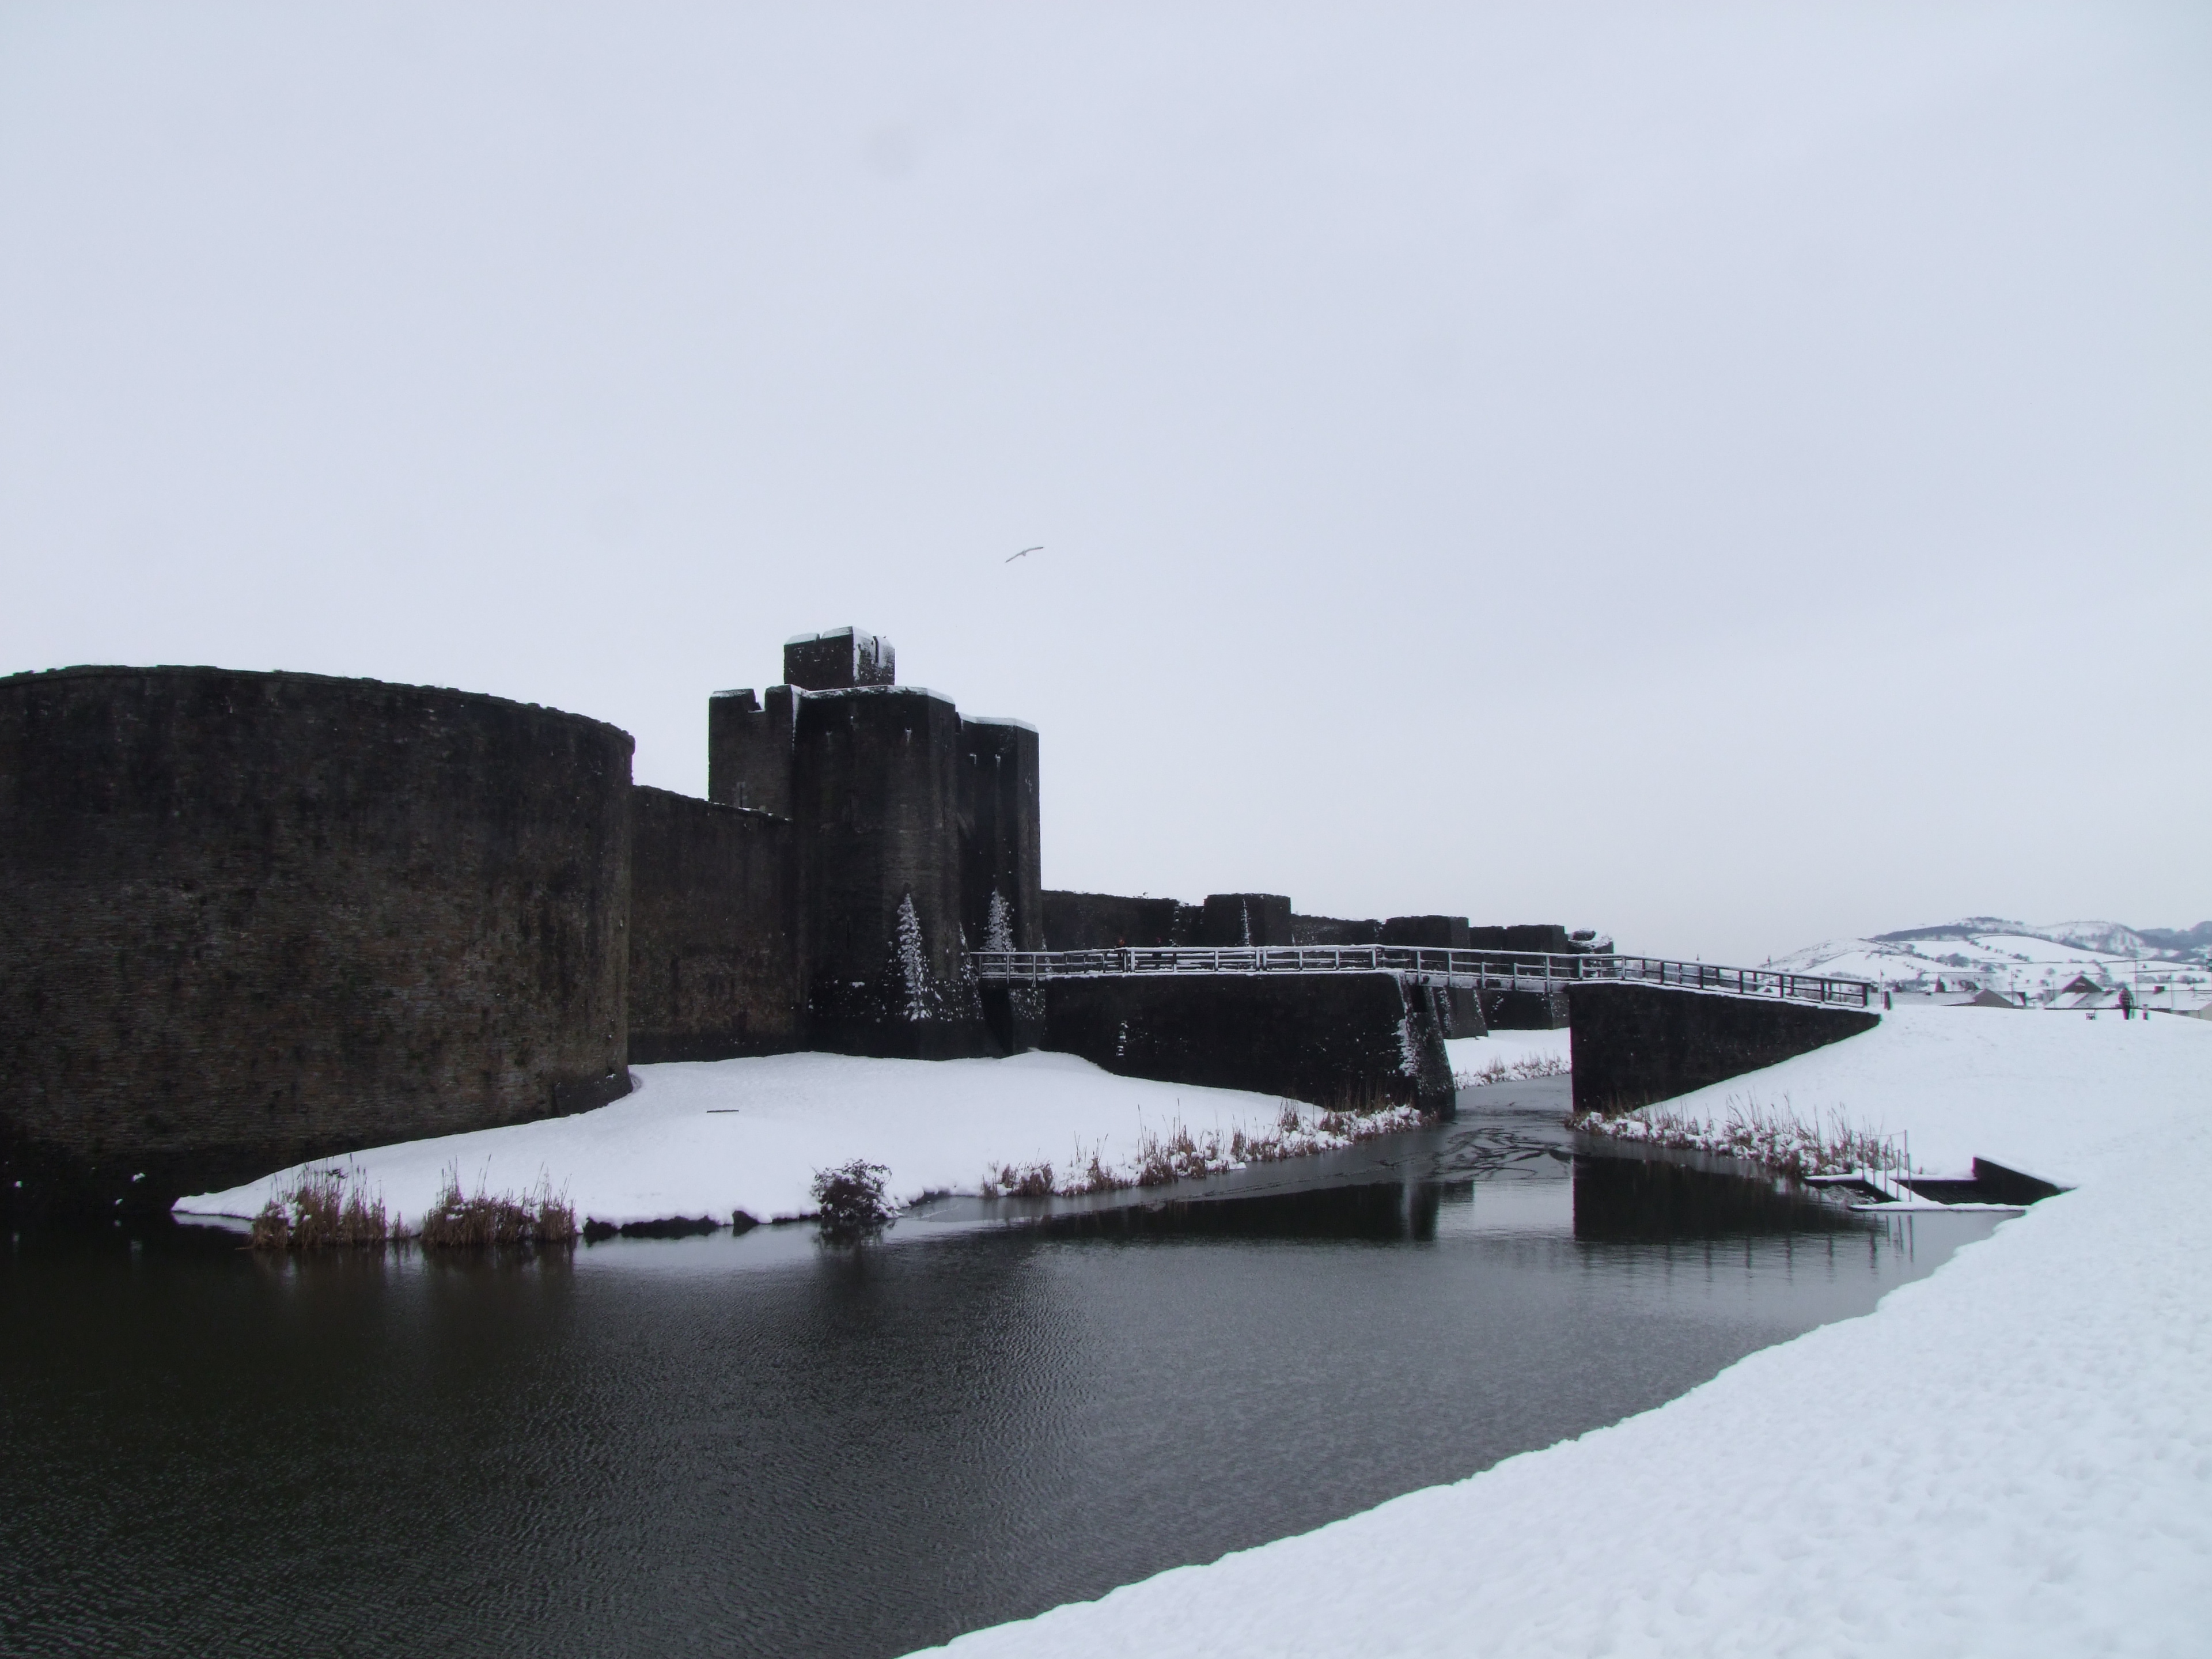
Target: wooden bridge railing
[{"x": 1465, "y": 969}]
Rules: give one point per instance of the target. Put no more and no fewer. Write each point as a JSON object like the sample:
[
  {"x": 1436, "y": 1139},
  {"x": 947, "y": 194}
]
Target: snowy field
[
  {"x": 707, "y": 1138},
  {"x": 2013, "y": 1457}
]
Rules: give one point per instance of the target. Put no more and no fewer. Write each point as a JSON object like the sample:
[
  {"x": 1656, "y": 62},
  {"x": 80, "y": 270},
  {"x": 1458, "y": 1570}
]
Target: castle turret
[
  {"x": 913, "y": 834},
  {"x": 1002, "y": 898},
  {"x": 839, "y": 660}
]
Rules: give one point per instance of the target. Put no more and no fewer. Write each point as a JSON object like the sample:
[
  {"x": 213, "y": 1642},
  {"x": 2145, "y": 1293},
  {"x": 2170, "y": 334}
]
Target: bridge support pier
[
  {"x": 1342, "y": 1041},
  {"x": 1635, "y": 1043},
  {"x": 1014, "y": 1018}
]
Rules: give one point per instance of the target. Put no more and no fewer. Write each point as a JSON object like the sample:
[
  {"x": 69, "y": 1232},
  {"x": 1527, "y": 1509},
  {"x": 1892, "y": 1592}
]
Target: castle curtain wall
[{"x": 715, "y": 967}]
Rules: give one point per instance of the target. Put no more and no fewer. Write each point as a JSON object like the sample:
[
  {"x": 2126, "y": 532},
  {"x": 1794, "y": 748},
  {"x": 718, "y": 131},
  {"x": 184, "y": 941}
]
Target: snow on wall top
[{"x": 873, "y": 691}]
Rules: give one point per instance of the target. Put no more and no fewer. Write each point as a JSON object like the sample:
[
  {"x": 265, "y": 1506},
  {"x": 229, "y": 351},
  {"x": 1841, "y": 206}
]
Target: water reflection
[
  {"x": 1659, "y": 1200},
  {"x": 1378, "y": 1212},
  {"x": 757, "y": 1445}
]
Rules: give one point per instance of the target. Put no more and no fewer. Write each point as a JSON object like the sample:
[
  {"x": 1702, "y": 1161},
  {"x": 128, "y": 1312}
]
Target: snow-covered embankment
[{"x": 709, "y": 1137}]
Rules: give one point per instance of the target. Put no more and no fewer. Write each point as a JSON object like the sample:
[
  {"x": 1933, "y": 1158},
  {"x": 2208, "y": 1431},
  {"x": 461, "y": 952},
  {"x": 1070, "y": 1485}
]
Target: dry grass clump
[
  {"x": 319, "y": 1213},
  {"x": 1180, "y": 1155},
  {"x": 488, "y": 1221},
  {"x": 1498, "y": 1069},
  {"x": 1775, "y": 1137},
  {"x": 1027, "y": 1180}
]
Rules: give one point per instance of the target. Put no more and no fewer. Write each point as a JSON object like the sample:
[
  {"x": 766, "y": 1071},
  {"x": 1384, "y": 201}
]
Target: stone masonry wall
[
  {"x": 1241, "y": 919},
  {"x": 1537, "y": 939},
  {"x": 1099, "y": 921},
  {"x": 1351, "y": 1040},
  {"x": 248, "y": 919},
  {"x": 1001, "y": 848},
  {"x": 715, "y": 967},
  {"x": 749, "y": 761},
  {"x": 1634, "y": 1044},
  {"x": 876, "y": 796}
]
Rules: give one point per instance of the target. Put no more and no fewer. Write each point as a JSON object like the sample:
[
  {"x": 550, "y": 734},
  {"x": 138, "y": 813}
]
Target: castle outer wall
[
  {"x": 715, "y": 968},
  {"x": 249, "y": 919}
]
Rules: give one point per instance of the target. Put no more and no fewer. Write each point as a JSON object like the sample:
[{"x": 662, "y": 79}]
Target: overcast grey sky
[{"x": 1729, "y": 475}]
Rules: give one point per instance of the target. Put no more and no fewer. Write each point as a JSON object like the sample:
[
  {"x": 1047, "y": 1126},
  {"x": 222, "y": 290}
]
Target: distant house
[
  {"x": 1988, "y": 999},
  {"x": 2082, "y": 992}
]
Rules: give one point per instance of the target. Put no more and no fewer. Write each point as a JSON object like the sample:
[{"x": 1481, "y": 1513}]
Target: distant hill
[
  {"x": 2163, "y": 966},
  {"x": 2195, "y": 940},
  {"x": 2106, "y": 938}
]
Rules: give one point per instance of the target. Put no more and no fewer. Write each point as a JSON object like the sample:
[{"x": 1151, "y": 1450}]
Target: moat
[{"x": 753, "y": 1444}]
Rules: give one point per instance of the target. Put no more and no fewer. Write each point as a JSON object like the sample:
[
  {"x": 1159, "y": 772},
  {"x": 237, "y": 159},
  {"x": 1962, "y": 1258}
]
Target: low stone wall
[
  {"x": 1431, "y": 932},
  {"x": 248, "y": 919},
  {"x": 1342, "y": 1041},
  {"x": 714, "y": 968},
  {"x": 1634, "y": 1044},
  {"x": 1233, "y": 920},
  {"x": 1101, "y": 922},
  {"x": 1542, "y": 938},
  {"x": 1335, "y": 930}
]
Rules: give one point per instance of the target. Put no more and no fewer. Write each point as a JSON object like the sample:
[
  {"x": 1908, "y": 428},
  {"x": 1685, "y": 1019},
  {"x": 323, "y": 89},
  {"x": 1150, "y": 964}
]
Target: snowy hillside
[{"x": 2160, "y": 967}]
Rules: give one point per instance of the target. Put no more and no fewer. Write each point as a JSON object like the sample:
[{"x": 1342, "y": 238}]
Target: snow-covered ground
[
  {"x": 2013, "y": 1457},
  {"x": 711, "y": 1137}
]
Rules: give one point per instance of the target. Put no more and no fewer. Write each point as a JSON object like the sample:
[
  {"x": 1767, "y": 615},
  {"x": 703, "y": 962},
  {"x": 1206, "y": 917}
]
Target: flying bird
[{"x": 1026, "y": 551}]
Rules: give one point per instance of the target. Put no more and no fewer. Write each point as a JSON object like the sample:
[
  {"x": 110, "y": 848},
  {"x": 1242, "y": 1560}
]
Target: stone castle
[{"x": 247, "y": 919}]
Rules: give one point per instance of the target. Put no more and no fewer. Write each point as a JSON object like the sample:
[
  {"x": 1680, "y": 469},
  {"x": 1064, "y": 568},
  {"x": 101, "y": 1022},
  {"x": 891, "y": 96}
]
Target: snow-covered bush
[{"x": 850, "y": 1201}]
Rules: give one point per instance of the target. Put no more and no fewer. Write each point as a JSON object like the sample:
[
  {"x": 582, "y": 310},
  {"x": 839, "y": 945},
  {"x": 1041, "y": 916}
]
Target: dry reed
[
  {"x": 1775, "y": 1137},
  {"x": 486, "y": 1221},
  {"x": 1180, "y": 1155},
  {"x": 321, "y": 1212}
]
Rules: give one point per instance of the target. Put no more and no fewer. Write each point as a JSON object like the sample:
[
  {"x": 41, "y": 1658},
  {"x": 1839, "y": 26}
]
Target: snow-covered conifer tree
[{"x": 914, "y": 962}]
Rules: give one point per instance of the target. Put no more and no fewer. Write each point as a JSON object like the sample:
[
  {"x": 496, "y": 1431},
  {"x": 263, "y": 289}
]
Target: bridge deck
[{"x": 1480, "y": 970}]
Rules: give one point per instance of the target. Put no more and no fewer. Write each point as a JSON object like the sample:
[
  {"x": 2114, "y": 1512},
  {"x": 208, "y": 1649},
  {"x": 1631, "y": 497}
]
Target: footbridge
[{"x": 1471, "y": 971}]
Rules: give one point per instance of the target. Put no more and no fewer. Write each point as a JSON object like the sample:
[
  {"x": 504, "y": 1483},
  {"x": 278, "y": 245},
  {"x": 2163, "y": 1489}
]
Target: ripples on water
[{"x": 730, "y": 1445}]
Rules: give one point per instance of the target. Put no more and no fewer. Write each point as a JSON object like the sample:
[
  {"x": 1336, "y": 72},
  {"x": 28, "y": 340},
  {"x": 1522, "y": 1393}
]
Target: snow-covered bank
[
  {"x": 2013, "y": 1457},
  {"x": 1476, "y": 1060},
  {"x": 2056, "y": 1095},
  {"x": 708, "y": 1137}
]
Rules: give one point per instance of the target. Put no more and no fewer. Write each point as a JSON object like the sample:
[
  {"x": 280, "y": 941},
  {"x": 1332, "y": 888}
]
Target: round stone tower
[{"x": 247, "y": 919}]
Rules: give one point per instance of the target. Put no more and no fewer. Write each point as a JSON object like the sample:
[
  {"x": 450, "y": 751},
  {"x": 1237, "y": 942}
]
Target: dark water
[{"x": 757, "y": 1445}]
